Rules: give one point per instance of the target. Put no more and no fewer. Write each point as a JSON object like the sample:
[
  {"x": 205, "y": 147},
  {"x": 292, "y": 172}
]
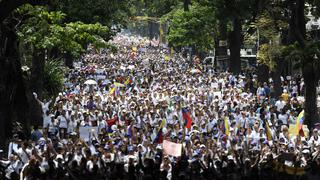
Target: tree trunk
[
  {"x": 311, "y": 111},
  {"x": 150, "y": 29},
  {"x": 68, "y": 60},
  {"x": 235, "y": 45},
  {"x": 37, "y": 72},
  {"x": 186, "y": 4},
  {"x": 14, "y": 104},
  {"x": 298, "y": 26},
  {"x": 222, "y": 51},
  {"x": 37, "y": 86},
  {"x": 14, "y": 99},
  {"x": 276, "y": 76},
  {"x": 263, "y": 73}
]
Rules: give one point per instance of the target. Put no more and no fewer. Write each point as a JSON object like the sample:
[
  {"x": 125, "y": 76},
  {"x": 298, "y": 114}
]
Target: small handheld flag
[
  {"x": 159, "y": 137},
  {"x": 186, "y": 116},
  {"x": 112, "y": 90},
  {"x": 268, "y": 131},
  {"x": 299, "y": 122},
  {"x": 226, "y": 126}
]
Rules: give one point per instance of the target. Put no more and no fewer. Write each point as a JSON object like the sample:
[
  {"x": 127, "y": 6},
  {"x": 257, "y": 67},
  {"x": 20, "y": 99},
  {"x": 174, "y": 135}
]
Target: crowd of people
[{"x": 138, "y": 97}]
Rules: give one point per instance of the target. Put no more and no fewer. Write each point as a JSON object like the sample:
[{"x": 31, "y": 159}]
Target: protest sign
[
  {"x": 217, "y": 93},
  {"x": 88, "y": 132},
  {"x": 171, "y": 148}
]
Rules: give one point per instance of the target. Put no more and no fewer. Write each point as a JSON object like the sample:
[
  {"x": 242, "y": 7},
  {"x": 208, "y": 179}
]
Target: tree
[
  {"x": 44, "y": 31},
  {"x": 150, "y": 11},
  {"x": 192, "y": 28},
  {"x": 284, "y": 38},
  {"x": 110, "y": 13},
  {"x": 15, "y": 96},
  {"x": 308, "y": 50},
  {"x": 14, "y": 99},
  {"x": 233, "y": 14},
  {"x": 271, "y": 51}
]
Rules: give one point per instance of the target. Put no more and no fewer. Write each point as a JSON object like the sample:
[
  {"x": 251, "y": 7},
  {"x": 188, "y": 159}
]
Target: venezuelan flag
[
  {"x": 162, "y": 124},
  {"x": 112, "y": 90},
  {"x": 127, "y": 81},
  {"x": 159, "y": 137},
  {"x": 226, "y": 126},
  {"x": 268, "y": 131},
  {"x": 299, "y": 122},
  {"x": 186, "y": 116}
]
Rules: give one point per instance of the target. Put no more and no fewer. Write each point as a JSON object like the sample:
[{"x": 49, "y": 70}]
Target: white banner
[
  {"x": 171, "y": 148},
  {"x": 88, "y": 132}
]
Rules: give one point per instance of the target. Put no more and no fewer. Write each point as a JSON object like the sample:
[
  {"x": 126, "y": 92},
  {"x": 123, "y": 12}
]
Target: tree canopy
[{"x": 193, "y": 28}]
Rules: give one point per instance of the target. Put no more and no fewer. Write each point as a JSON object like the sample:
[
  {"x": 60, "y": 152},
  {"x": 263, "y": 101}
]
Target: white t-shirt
[
  {"x": 255, "y": 136},
  {"x": 46, "y": 120},
  {"x": 280, "y": 104},
  {"x": 63, "y": 122},
  {"x": 13, "y": 147},
  {"x": 24, "y": 155},
  {"x": 283, "y": 118}
]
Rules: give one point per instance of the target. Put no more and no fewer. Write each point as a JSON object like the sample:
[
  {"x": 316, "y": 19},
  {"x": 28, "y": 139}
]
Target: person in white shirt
[
  {"x": 255, "y": 133},
  {"x": 166, "y": 166},
  {"x": 24, "y": 153},
  {"x": 63, "y": 124},
  {"x": 46, "y": 120},
  {"x": 44, "y": 105},
  {"x": 102, "y": 124},
  {"x": 52, "y": 126},
  {"x": 13, "y": 145},
  {"x": 280, "y": 104},
  {"x": 72, "y": 125},
  {"x": 283, "y": 117},
  {"x": 314, "y": 139},
  {"x": 13, "y": 166}
]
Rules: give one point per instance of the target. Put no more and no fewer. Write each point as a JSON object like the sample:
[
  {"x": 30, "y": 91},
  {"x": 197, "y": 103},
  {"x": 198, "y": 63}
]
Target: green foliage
[
  {"x": 53, "y": 78},
  {"x": 271, "y": 24},
  {"x": 269, "y": 28},
  {"x": 269, "y": 53},
  {"x": 153, "y": 8},
  {"x": 36, "y": 28},
  {"x": 111, "y": 13},
  {"x": 47, "y": 30},
  {"x": 233, "y": 8},
  {"x": 270, "y": 50},
  {"x": 161, "y": 7},
  {"x": 192, "y": 28}
]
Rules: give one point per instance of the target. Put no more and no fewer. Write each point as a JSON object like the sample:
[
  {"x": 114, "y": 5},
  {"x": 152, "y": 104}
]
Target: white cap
[
  {"x": 230, "y": 157},
  {"x": 159, "y": 146},
  {"x": 306, "y": 151},
  {"x": 114, "y": 127},
  {"x": 59, "y": 156}
]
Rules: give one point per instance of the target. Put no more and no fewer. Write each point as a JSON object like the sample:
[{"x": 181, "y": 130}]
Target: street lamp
[{"x": 315, "y": 57}]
